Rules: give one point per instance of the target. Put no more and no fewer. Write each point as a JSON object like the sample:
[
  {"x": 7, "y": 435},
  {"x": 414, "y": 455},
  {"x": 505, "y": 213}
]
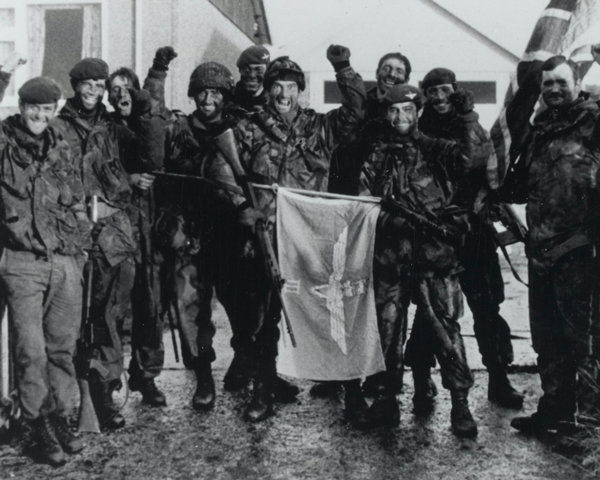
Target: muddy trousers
[
  {"x": 564, "y": 330},
  {"x": 215, "y": 269},
  {"x": 44, "y": 296},
  {"x": 116, "y": 288},
  {"x": 436, "y": 330}
]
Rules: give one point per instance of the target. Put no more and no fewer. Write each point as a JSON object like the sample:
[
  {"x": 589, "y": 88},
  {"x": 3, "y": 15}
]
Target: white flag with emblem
[{"x": 326, "y": 258}]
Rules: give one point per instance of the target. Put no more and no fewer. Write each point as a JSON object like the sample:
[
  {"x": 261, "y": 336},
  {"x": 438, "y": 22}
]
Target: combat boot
[
  {"x": 49, "y": 449},
  {"x": 462, "y": 421},
  {"x": 204, "y": 397},
  {"x": 151, "y": 395},
  {"x": 284, "y": 391},
  {"x": 108, "y": 414},
  {"x": 70, "y": 442},
  {"x": 355, "y": 406},
  {"x": 330, "y": 389},
  {"x": 501, "y": 392},
  {"x": 237, "y": 376},
  {"x": 425, "y": 391},
  {"x": 261, "y": 405},
  {"x": 535, "y": 424}
]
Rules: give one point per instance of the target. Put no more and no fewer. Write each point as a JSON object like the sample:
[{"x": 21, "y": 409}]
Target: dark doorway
[{"x": 63, "y": 44}]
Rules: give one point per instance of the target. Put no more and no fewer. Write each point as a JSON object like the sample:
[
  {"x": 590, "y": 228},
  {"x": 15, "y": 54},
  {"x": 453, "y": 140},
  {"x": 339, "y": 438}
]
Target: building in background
[{"x": 55, "y": 34}]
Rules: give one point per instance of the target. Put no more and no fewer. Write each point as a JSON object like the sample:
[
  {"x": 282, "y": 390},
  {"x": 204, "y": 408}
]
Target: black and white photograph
[{"x": 300, "y": 239}]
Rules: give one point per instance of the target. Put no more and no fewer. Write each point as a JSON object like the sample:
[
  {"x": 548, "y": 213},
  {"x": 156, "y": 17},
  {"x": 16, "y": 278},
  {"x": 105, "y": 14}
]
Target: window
[
  {"x": 485, "y": 92},
  {"x": 53, "y": 35}
]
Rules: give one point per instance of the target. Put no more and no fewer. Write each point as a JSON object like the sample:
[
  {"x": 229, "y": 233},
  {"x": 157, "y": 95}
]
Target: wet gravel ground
[{"x": 308, "y": 439}]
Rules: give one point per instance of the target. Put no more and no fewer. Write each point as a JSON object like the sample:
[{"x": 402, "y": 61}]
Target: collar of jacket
[
  {"x": 23, "y": 139},
  {"x": 250, "y": 102},
  {"x": 69, "y": 112},
  {"x": 556, "y": 119},
  {"x": 432, "y": 120}
]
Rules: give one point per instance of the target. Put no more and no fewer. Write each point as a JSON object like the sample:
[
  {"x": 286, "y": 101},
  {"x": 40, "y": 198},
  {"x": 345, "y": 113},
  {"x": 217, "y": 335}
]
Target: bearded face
[{"x": 403, "y": 117}]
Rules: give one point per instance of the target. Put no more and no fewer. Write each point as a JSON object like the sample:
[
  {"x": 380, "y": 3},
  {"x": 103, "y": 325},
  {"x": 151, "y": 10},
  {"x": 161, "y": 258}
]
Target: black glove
[
  {"x": 141, "y": 101},
  {"x": 162, "y": 58},
  {"x": 463, "y": 101},
  {"x": 338, "y": 56},
  {"x": 249, "y": 216}
]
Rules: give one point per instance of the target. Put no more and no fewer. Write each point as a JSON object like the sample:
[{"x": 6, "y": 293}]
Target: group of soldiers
[{"x": 142, "y": 204}]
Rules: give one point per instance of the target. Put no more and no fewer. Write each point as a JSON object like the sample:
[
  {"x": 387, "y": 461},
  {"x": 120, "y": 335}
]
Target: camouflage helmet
[
  {"x": 282, "y": 68},
  {"x": 210, "y": 75}
]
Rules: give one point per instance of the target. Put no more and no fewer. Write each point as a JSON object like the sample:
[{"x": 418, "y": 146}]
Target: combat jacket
[
  {"x": 99, "y": 146},
  {"x": 42, "y": 208},
  {"x": 250, "y": 103},
  {"x": 297, "y": 155},
  {"x": 557, "y": 176},
  {"x": 472, "y": 186},
  {"x": 420, "y": 172}
]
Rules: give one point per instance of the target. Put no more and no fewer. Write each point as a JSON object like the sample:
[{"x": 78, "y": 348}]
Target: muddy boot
[
  {"x": 373, "y": 386},
  {"x": 237, "y": 377},
  {"x": 463, "y": 424},
  {"x": 326, "y": 389},
  {"x": 574, "y": 438},
  {"x": 151, "y": 395},
  {"x": 70, "y": 442},
  {"x": 48, "y": 447},
  {"x": 355, "y": 405},
  {"x": 385, "y": 410},
  {"x": 261, "y": 405},
  {"x": 284, "y": 391},
  {"x": 425, "y": 392},
  {"x": 108, "y": 414},
  {"x": 204, "y": 397},
  {"x": 501, "y": 392},
  {"x": 536, "y": 424}
]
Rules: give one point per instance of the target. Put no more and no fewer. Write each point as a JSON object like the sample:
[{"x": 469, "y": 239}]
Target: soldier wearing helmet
[
  {"x": 198, "y": 232},
  {"x": 290, "y": 146}
]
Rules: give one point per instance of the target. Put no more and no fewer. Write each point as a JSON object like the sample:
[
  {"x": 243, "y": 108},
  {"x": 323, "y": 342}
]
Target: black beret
[
  {"x": 254, "y": 55},
  {"x": 438, "y": 76},
  {"x": 403, "y": 93},
  {"x": 95, "y": 68},
  {"x": 40, "y": 90}
]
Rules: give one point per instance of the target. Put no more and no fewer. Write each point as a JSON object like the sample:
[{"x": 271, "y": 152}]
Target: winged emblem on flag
[{"x": 335, "y": 291}]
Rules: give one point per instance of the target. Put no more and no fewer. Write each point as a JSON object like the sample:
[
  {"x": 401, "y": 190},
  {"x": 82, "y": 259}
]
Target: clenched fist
[
  {"x": 163, "y": 57},
  {"x": 339, "y": 56},
  {"x": 463, "y": 101}
]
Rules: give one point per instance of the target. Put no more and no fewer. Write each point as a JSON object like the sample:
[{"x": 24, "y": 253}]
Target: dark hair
[
  {"x": 398, "y": 56},
  {"x": 557, "y": 60},
  {"x": 127, "y": 73}
]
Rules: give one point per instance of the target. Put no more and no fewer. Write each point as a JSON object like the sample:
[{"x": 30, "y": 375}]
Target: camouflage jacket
[
  {"x": 42, "y": 208},
  {"x": 419, "y": 172},
  {"x": 557, "y": 176},
  {"x": 248, "y": 103},
  {"x": 98, "y": 150},
  {"x": 473, "y": 185},
  {"x": 296, "y": 155}
]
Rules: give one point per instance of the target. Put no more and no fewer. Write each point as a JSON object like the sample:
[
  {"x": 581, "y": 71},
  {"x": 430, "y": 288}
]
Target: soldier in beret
[
  {"x": 44, "y": 232},
  {"x": 101, "y": 150},
  {"x": 481, "y": 281},
  {"x": 249, "y": 92},
  {"x": 412, "y": 262}
]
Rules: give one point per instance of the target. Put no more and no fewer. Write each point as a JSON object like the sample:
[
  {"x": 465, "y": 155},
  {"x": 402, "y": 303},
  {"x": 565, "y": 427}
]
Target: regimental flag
[
  {"x": 326, "y": 258},
  {"x": 559, "y": 31}
]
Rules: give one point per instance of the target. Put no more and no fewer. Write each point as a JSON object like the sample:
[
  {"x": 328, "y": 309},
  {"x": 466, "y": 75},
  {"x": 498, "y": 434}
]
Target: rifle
[
  {"x": 88, "y": 420},
  {"x": 225, "y": 142},
  {"x": 432, "y": 226}
]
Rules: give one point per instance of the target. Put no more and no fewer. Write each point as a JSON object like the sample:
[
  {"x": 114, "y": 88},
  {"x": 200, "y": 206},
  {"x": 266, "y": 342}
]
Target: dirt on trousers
[{"x": 310, "y": 439}]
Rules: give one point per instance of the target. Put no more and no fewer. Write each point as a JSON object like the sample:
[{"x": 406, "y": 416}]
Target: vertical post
[{"x": 4, "y": 356}]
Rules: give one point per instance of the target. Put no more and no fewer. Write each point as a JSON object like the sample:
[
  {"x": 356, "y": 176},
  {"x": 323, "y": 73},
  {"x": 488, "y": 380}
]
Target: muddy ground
[{"x": 309, "y": 439}]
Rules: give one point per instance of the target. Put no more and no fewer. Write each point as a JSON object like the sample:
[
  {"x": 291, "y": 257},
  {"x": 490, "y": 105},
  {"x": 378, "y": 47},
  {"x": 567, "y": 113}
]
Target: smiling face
[
  {"x": 392, "y": 72},
  {"x": 439, "y": 97},
  {"x": 35, "y": 117},
  {"x": 402, "y": 117},
  {"x": 559, "y": 87},
  {"x": 209, "y": 104},
  {"x": 283, "y": 95},
  {"x": 251, "y": 78},
  {"x": 119, "y": 96},
  {"x": 90, "y": 92}
]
